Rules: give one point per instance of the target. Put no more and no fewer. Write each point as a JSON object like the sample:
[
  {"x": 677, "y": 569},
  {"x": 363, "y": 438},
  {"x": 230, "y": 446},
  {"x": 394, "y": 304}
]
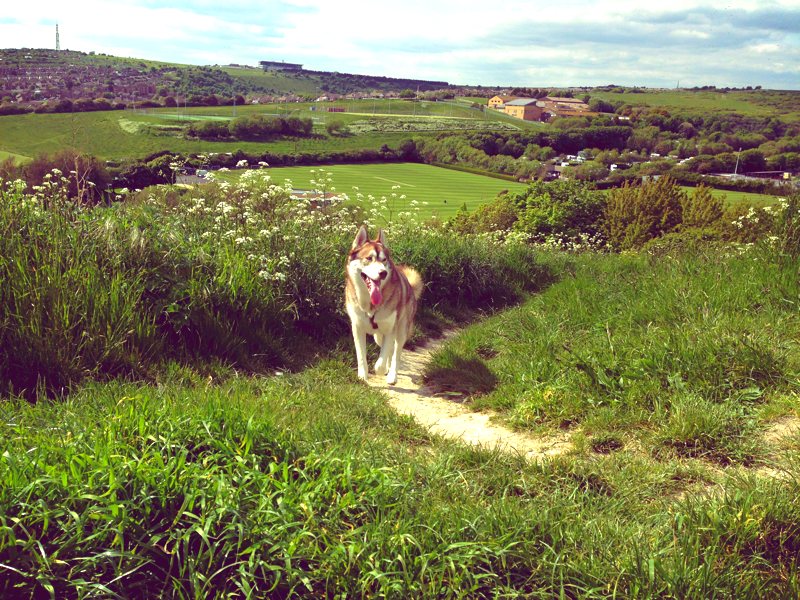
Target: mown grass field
[
  {"x": 445, "y": 191},
  {"x": 734, "y": 197},
  {"x": 121, "y": 134}
]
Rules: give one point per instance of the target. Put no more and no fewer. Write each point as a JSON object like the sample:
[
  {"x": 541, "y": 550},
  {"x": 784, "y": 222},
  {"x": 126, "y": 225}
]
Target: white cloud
[{"x": 518, "y": 42}]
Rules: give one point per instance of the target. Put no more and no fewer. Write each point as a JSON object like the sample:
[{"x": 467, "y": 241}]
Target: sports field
[{"x": 444, "y": 190}]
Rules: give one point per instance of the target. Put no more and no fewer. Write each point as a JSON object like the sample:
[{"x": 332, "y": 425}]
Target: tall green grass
[
  {"x": 679, "y": 350},
  {"x": 310, "y": 486},
  {"x": 205, "y": 482}
]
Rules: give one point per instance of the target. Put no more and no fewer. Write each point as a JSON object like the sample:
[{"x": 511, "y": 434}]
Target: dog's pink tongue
[{"x": 375, "y": 295}]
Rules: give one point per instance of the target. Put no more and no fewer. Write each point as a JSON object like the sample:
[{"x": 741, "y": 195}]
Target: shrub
[
  {"x": 563, "y": 209},
  {"x": 337, "y": 127},
  {"x": 209, "y": 130},
  {"x": 636, "y": 214},
  {"x": 701, "y": 208},
  {"x": 789, "y": 229},
  {"x": 498, "y": 215},
  {"x": 85, "y": 177}
]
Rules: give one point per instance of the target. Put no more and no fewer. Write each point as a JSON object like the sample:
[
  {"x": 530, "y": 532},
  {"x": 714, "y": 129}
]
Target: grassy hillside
[
  {"x": 67, "y": 72},
  {"x": 123, "y": 134},
  {"x": 170, "y": 453},
  {"x": 769, "y": 103},
  {"x": 279, "y": 82}
]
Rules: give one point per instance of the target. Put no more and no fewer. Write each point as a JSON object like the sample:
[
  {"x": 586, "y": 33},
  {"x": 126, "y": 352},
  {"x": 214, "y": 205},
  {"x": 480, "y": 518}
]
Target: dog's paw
[
  {"x": 381, "y": 367},
  {"x": 391, "y": 377},
  {"x": 363, "y": 375}
]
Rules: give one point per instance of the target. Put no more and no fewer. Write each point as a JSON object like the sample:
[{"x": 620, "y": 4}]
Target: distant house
[
  {"x": 499, "y": 101},
  {"x": 527, "y": 109},
  {"x": 271, "y": 65}
]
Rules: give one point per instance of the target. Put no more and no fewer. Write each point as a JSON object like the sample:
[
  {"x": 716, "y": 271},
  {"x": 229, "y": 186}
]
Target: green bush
[
  {"x": 498, "y": 215},
  {"x": 636, "y": 214},
  {"x": 560, "y": 209},
  {"x": 701, "y": 208}
]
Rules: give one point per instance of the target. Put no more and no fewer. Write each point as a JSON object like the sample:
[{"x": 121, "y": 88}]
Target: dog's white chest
[{"x": 377, "y": 321}]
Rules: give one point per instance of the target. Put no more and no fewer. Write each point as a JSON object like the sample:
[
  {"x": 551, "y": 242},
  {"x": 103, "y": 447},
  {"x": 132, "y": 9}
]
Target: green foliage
[
  {"x": 589, "y": 171},
  {"x": 636, "y": 214},
  {"x": 788, "y": 230},
  {"x": 85, "y": 178},
  {"x": 701, "y": 208},
  {"x": 251, "y": 127},
  {"x": 467, "y": 272},
  {"x": 498, "y": 215},
  {"x": 561, "y": 209},
  {"x": 336, "y": 127}
]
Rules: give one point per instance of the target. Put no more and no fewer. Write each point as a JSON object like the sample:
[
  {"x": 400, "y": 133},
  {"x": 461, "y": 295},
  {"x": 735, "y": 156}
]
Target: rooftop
[{"x": 522, "y": 102}]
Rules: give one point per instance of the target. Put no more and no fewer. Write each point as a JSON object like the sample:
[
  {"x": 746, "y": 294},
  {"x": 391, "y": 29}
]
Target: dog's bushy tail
[{"x": 414, "y": 280}]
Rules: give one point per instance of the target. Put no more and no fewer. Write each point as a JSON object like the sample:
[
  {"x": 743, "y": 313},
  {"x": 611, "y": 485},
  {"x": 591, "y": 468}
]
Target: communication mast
[{"x": 58, "y": 41}]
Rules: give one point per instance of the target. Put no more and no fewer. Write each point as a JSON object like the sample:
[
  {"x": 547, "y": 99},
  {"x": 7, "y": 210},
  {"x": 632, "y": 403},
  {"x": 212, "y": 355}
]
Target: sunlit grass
[{"x": 679, "y": 352}]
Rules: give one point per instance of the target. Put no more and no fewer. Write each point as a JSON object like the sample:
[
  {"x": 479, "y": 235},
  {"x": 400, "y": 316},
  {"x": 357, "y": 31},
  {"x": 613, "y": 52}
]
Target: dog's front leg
[
  {"x": 360, "y": 340},
  {"x": 396, "y": 351},
  {"x": 383, "y": 364}
]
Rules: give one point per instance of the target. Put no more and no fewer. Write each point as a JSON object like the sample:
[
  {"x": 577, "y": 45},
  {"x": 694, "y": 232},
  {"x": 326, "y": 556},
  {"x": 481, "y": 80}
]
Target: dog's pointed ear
[
  {"x": 381, "y": 239},
  {"x": 361, "y": 238}
]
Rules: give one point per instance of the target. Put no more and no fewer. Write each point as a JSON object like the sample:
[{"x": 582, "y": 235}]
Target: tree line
[{"x": 251, "y": 128}]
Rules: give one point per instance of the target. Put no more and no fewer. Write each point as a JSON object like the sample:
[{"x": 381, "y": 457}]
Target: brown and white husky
[{"x": 381, "y": 299}]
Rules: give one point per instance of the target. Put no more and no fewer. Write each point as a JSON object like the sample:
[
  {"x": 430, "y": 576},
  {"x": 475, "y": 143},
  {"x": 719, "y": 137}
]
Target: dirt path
[{"x": 453, "y": 420}]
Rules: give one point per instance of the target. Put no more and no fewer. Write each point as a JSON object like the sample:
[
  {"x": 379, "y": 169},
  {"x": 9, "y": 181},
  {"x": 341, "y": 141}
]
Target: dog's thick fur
[{"x": 381, "y": 299}]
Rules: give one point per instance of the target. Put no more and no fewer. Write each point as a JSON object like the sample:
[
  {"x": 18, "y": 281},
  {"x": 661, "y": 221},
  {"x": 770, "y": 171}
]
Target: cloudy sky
[{"x": 506, "y": 42}]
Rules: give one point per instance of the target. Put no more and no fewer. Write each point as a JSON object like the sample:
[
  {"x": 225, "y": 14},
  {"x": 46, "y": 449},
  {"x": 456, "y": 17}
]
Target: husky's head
[{"x": 370, "y": 263}]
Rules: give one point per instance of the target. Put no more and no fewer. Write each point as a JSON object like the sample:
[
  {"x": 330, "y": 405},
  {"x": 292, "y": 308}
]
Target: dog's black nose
[{"x": 383, "y": 275}]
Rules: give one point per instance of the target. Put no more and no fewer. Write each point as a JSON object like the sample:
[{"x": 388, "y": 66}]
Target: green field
[
  {"x": 124, "y": 134},
  {"x": 751, "y": 103},
  {"x": 734, "y": 197},
  {"x": 444, "y": 190},
  {"x": 136, "y": 133},
  {"x": 18, "y": 158}
]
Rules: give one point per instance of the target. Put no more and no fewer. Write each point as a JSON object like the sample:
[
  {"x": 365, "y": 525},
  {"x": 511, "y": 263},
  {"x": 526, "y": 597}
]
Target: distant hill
[{"x": 36, "y": 76}]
